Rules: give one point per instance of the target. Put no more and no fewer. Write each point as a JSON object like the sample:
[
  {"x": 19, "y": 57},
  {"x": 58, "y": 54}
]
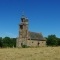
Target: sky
[{"x": 43, "y": 15}]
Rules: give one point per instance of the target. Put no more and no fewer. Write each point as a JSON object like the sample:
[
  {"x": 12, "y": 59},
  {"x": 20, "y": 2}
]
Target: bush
[{"x": 24, "y": 46}]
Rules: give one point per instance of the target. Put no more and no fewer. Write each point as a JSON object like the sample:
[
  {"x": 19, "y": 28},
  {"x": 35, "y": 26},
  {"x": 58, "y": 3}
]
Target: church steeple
[
  {"x": 24, "y": 19},
  {"x": 23, "y": 31}
]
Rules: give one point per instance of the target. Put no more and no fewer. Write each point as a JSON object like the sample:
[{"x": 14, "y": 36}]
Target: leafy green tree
[
  {"x": 13, "y": 42},
  {"x": 52, "y": 40},
  {"x": 6, "y": 42},
  {"x": 58, "y": 41},
  {"x": 1, "y": 44},
  {"x": 9, "y": 42}
]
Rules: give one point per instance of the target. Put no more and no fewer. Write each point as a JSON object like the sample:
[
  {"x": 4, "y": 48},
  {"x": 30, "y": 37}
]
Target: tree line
[
  {"x": 7, "y": 42},
  {"x": 51, "y": 40}
]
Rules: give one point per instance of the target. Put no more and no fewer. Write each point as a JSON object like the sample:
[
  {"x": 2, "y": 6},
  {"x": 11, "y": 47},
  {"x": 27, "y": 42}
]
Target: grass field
[{"x": 41, "y": 53}]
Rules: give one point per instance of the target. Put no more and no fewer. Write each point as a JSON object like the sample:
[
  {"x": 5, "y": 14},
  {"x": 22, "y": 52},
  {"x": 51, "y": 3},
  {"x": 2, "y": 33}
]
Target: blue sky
[{"x": 43, "y": 15}]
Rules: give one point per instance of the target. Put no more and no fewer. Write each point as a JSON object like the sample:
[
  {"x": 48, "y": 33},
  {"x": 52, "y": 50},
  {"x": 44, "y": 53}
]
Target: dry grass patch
[{"x": 42, "y": 53}]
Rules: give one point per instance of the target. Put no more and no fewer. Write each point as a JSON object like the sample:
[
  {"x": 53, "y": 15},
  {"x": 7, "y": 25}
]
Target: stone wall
[{"x": 36, "y": 43}]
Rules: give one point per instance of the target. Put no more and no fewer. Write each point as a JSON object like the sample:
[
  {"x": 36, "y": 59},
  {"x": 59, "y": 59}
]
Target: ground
[{"x": 41, "y": 53}]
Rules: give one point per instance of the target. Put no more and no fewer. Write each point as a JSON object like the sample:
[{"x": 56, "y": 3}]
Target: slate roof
[{"x": 36, "y": 36}]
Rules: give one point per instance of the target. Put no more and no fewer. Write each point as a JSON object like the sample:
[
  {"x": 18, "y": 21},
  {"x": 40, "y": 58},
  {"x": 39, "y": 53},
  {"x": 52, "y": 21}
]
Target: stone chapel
[{"x": 27, "y": 37}]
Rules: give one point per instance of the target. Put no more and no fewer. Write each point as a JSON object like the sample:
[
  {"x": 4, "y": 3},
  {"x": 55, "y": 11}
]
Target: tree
[
  {"x": 58, "y": 41},
  {"x": 1, "y": 44},
  {"x": 52, "y": 40},
  {"x": 13, "y": 42},
  {"x": 6, "y": 42},
  {"x": 9, "y": 42}
]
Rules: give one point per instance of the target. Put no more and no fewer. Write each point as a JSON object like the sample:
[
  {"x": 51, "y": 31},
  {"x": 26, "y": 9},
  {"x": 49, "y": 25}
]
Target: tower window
[
  {"x": 21, "y": 26},
  {"x": 22, "y": 20}
]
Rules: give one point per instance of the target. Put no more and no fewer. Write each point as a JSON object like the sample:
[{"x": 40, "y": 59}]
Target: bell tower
[{"x": 23, "y": 32}]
